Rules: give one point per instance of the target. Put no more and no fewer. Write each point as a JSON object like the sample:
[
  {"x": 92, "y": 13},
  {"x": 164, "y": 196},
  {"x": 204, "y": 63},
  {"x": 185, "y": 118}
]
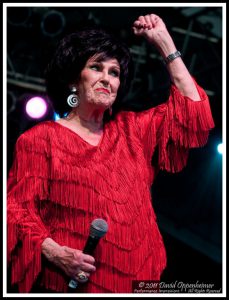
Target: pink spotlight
[{"x": 36, "y": 107}]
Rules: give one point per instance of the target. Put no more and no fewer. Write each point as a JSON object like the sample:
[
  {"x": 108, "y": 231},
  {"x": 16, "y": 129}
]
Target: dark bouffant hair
[{"x": 71, "y": 56}]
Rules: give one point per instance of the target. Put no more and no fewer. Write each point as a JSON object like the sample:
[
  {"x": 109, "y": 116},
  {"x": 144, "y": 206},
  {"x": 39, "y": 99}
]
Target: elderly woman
[{"x": 96, "y": 162}]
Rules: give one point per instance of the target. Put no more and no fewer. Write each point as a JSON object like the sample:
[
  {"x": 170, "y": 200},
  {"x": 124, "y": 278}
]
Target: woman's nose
[{"x": 105, "y": 78}]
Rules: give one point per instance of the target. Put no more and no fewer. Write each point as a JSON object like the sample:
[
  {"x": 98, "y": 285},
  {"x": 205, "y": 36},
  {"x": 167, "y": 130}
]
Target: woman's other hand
[{"x": 70, "y": 260}]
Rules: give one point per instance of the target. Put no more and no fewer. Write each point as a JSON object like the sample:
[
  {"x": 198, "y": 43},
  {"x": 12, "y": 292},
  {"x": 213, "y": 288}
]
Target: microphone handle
[{"x": 90, "y": 244}]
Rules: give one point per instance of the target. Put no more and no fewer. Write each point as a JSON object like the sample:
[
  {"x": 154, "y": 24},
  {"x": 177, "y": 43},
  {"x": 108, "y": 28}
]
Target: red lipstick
[{"x": 103, "y": 90}]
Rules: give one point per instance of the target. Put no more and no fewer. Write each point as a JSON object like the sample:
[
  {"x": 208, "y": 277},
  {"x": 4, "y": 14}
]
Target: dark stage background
[{"x": 188, "y": 204}]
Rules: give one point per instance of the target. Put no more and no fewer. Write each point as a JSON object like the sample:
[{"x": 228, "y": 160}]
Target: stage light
[
  {"x": 56, "y": 116},
  {"x": 18, "y": 16},
  {"x": 36, "y": 108},
  {"x": 220, "y": 148},
  {"x": 53, "y": 23},
  {"x": 11, "y": 102}
]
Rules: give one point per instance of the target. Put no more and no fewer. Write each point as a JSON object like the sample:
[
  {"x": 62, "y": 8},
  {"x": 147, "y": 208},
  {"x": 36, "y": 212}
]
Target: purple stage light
[{"x": 36, "y": 107}]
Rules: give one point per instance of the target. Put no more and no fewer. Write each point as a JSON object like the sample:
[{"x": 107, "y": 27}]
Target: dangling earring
[
  {"x": 110, "y": 111},
  {"x": 73, "y": 100}
]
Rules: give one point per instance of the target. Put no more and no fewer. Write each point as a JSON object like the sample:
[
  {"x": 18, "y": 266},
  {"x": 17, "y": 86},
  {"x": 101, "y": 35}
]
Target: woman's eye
[
  {"x": 115, "y": 73},
  {"x": 94, "y": 67}
]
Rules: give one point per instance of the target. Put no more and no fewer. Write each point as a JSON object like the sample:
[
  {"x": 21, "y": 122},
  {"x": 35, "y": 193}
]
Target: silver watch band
[{"x": 172, "y": 56}]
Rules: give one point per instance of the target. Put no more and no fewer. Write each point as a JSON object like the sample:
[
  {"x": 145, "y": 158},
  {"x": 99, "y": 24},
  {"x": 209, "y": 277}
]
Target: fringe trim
[
  {"x": 26, "y": 230},
  {"x": 186, "y": 125},
  {"x": 107, "y": 278},
  {"x": 69, "y": 200}
]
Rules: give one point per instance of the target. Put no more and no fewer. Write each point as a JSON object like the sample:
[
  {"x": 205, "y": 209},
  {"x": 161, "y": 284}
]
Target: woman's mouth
[{"x": 102, "y": 90}]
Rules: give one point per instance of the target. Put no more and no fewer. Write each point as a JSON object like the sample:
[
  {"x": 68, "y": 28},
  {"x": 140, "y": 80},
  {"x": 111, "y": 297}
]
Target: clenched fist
[{"x": 154, "y": 30}]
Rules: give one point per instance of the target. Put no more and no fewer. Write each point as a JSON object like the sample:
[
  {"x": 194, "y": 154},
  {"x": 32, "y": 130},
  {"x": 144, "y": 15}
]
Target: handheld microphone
[{"x": 98, "y": 229}]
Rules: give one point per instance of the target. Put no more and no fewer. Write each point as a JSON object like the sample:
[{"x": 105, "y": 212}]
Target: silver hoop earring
[{"x": 73, "y": 99}]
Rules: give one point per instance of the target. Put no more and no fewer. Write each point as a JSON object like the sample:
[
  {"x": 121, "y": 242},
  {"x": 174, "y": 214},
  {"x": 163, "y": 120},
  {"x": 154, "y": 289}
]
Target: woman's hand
[
  {"x": 154, "y": 30},
  {"x": 70, "y": 260}
]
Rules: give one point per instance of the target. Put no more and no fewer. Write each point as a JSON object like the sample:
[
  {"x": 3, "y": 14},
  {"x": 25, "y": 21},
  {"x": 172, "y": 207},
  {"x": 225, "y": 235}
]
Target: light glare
[
  {"x": 220, "y": 148},
  {"x": 56, "y": 116},
  {"x": 36, "y": 107}
]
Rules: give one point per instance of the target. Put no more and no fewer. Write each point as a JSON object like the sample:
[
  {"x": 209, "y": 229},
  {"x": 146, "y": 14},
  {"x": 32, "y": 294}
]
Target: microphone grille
[{"x": 98, "y": 228}]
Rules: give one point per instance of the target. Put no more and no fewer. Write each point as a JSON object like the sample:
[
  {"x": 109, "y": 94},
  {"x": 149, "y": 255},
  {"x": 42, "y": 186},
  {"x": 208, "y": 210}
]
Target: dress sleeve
[
  {"x": 176, "y": 126},
  {"x": 27, "y": 185}
]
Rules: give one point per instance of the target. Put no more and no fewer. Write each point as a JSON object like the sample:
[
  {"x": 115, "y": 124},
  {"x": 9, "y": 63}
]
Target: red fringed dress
[{"x": 59, "y": 184}]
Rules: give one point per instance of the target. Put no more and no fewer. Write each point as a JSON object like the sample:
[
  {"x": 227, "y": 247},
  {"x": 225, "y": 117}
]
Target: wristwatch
[{"x": 172, "y": 56}]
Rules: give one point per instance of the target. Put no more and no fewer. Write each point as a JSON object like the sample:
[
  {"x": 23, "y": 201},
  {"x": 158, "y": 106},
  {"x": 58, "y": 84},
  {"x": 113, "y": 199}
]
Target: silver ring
[{"x": 82, "y": 276}]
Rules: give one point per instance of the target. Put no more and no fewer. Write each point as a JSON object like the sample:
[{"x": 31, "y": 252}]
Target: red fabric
[{"x": 59, "y": 184}]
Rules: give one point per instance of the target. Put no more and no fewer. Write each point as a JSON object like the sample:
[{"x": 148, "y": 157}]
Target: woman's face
[{"x": 99, "y": 82}]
